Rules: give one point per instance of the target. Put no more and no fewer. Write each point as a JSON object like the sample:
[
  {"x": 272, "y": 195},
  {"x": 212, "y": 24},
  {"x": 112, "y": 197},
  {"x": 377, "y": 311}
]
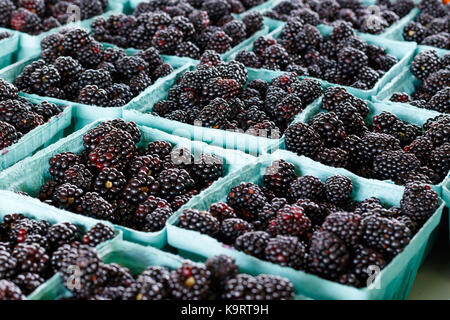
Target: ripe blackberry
[
  {"x": 10, "y": 291},
  {"x": 440, "y": 40},
  {"x": 253, "y": 243},
  {"x": 307, "y": 187},
  {"x": 140, "y": 187},
  {"x": 62, "y": 233},
  {"x": 146, "y": 288},
  {"x": 275, "y": 57},
  {"x": 95, "y": 206},
  {"x": 28, "y": 282},
  {"x": 8, "y": 135},
  {"x": 393, "y": 164},
  {"x": 388, "y": 123},
  {"x": 291, "y": 220},
  {"x": 232, "y": 228},
  {"x": 351, "y": 60},
  {"x": 109, "y": 183},
  {"x": 400, "y": 97},
  {"x": 222, "y": 269},
  {"x": 8, "y": 265},
  {"x": 26, "y": 21},
  {"x": 419, "y": 202},
  {"x": 279, "y": 175},
  {"x": 201, "y": 221},
  {"x": 244, "y": 287},
  {"x": 389, "y": 236},
  {"x": 373, "y": 144},
  {"x": 190, "y": 282},
  {"x": 246, "y": 199},
  {"x": 440, "y": 160},
  {"x": 175, "y": 182},
  {"x": 30, "y": 257},
  {"x": 328, "y": 255},
  {"x": 148, "y": 206},
  {"x": 440, "y": 101},
  {"x": 160, "y": 274},
  {"x": 425, "y": 63},
  {"x": 436, "y": 81},
  {"x": 346, "y": 225},
  {"x": 334, "y": 157},
  {"x": 303, "y": 140},
  {"x": 187, "y": 49},
  {"x": 253, "y": 22},
  {"x": 249, "y": 59},
  {"x": 93, "y": 95},
  {"x": 207, "y": 169},
  {"x": 114, "y": 151},
  {"x": 338, "y": 189},
  {"x": 329, "y": 127},
  {"x": 67, "y": 196},
  {"x": 221, "y": 211},
  {"x": 47, "y": 190},
  {"x": 364, "y": 258},
  {"x": 47, "y": 110},
  {"x": 78, "y": 175},
  {"x": 414, "y": 31},
  {"x": 159, "y": 148},
  {"x": 268, "y": 212},
  {"x": 98, "y": 234},
  {"x": 286, "y": 251},
  {"x": 156, "y": 220}
]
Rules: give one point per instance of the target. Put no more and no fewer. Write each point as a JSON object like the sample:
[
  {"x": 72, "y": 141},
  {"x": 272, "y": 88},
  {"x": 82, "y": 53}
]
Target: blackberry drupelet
[
  {"x": 307, "y": 187},
  {"x": 246, "y": 199},
  {"x": 328, "y": 255},
  {"x": 419, "y": 202},
  {"x": 201, "y": 221},
  {"x": 98, "y": 234},
  {"x": 286, "y": 251},
  {"x": 232, "y": 228},
  {"x": 278, "y": 176},
  {"x": 303, "y": 140},
  {"x": 190, "y": 282},
  {"x": 253, "y": 243},
  {"x": 338, "y": 189},
  {"x": 62, "y": 233}
]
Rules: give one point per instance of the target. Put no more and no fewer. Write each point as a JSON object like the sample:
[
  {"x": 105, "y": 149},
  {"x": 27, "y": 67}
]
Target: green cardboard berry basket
[
  {"x": 39, "y": 137},
  {"x": 401, "y": 111},
  {"x": 403, "y": 51},
  {"x": 393, "y": 282},
  {"x": 10, "y": 48},
  {"x": 11, "y": 202},
  {"x": 29, "y": 174},
  {"x": 140, "y": 112},
  {"x": 130, "y": 255},
  {"x": 84, "y": 114}
]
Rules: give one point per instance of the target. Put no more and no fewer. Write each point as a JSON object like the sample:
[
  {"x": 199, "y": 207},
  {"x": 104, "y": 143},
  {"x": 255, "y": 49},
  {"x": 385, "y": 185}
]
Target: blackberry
[
  {"x": 440, "y": 160},
  {"x": 253, "y": 21},
  {"x": 329, "y": 127},
  {"x": 419, "y": 202},
  {"x": 425, "y": 63},
  {"x": 249, "y": 59},
  {"x": 26, "y": 21},
  {"x": 222, "y": 269},
  {"x": 307, "y": 187},
  {"x": 291, "y": 220},
  {"x": 158, "y": 148},
  {"x": 175, "y": 182},
  {"x": 303, "y": 140},
  {"x": 156, "y": 220},
  {"x": 109, "y": 183},
  {"x": 95, "y": 206},
  {"x": 253, "y": 243},
  {"x": 93, "y": 95},
  {"x": 160, "y": 274},
  {"x": 313, "y": 211},
  {"x": 67, "y": 196},
  {"x": 373, "y": 144},
  {"x": 266, "y": 128},
  {"x": 221, "y": 211},
  {"x": 389, "y": 236},
  {"x": 243, "y": 287},
  {"x": 47, "y": 190},
  {"x": 140, "y": 187},
  {"x": 201, "y": 221},
  {"x": 279, "y": 175},
  {"x": 190, "y": 282},
  {"x": 148, "y": 206},
  {"x": 30, "y": 257},
  {"x": 308, "y": 37},
  {"x": 8, "y": 135},
  {"x": 438, "y": 133},
  {"x": 328, "y": 255},
  {"x": 286, "y": 251},
  {"x": 232, "y": 228},
  {"x": 338, "y": 189},
  {"x": 334, "y": 157},
  {"x": 62, "y": 233},
  {"x": 114, "y": 151},
  {"x": 393, "y": 164},
  {"x": 388, "y": 123},
  {"x": 308, "y": 89},
  {"x": 275, "y": 57},
  {"x": 440, "y": 101},
  {"x": 7, "y": 90},
  {"x": 440, "y": 40},
  {"x": 7, "y": 7},
  {"x": 28, "y": 282},
  {"x": 97, "y": 234},
  {"x": 246, "y": 199},
  {"x": 349, "y": 279},
  {"x": 364, "y": 258},
  {"x": 78, "y": 175},
  {"x": 346, "y": 225},
  {"x": 351, "y": 60},
  {"x": 145, "y": 289},
  {"x": 47, "y": 110},
  {"x": 414, "y": 31},
  {"x": 10, "y": 291},
  {"x": 129, "y": 127},
  {"x": 188, "y": 49},
  {"x": 268, "y": 212},
  {"x": 8, "y": 265}
]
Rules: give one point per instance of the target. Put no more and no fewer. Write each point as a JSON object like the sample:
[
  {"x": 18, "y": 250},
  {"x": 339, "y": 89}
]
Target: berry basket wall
[
  {"x": 403, "y": 51},
  {"x": 393, "y": 282},
  {"x": 405, "y": 81},
  {"x": 30, "y": 174},
  {"x": 389, "y": 33},
  {"x": 130, "y": 255},
  {"x": 14, "y": 203},
  {"x": 30, "y": 45},
  {"x": 41, "y": 136},
  {"x": 402, "y": 112},
  {"x": 10, "y": 47},
  {"x": 83, "y": 114},
  {"x": 140, "y": 112}
]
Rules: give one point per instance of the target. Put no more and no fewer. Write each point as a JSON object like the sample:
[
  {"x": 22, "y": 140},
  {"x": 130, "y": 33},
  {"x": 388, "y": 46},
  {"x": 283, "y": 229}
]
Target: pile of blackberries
[
  {"x": 112, "y": 180},
  {"x": 341, "y": 58},
  {"x": 218, "y": 278},
  {"x": 369, "y": 19},
  {"x": 307, "y": 224},
  {"x": 31, "y": 251},
  {"x": 74, "y": 66},
  {"x": 37, "y": 16},
  {"x": 434, "y": 91},
  {"x": 19, "y": 116},
  {"x": 179, "y": 30},
  {"x": 386, "y": 148}
]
